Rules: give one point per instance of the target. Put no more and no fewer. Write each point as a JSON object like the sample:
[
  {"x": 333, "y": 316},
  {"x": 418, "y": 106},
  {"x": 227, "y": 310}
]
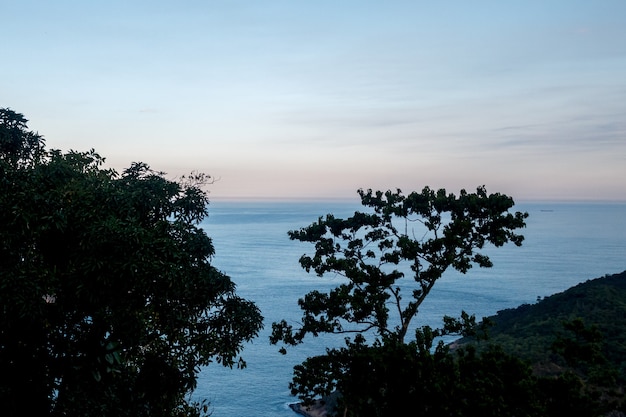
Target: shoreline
[{"x": 317, "y": 409}]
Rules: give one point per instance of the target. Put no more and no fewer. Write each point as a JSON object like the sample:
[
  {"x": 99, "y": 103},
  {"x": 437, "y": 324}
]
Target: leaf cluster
[
  {"x": 109, "y": 302},
  {"x": 403, "y": 245},
  {"x": 434, "y": 380},
  {"x": 389, "y": 259}
]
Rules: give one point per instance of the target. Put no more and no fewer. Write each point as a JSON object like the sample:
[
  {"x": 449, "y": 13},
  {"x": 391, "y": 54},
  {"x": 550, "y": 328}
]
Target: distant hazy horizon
[
  {"x": 287, "y": 100},
  {"x": 354, "y": 198}
]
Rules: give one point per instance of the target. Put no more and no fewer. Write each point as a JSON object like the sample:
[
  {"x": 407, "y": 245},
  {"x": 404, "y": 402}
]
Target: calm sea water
[{"x": 566, "y": 243}]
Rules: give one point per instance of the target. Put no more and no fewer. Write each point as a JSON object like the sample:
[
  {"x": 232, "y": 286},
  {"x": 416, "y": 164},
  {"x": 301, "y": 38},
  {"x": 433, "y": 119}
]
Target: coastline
[{"x": 317, "y": 409}]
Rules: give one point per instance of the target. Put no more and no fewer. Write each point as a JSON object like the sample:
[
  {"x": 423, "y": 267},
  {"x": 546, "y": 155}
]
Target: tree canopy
[
  {"x": 407, "y": 242},
  {"x": 109, "y": 302},
  {"x": 391, "y": 257}
]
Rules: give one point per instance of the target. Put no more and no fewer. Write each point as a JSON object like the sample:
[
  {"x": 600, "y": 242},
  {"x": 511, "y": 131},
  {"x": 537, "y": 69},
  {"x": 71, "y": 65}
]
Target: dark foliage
[
  {"x": 575, "y": 343},
  {"x": 108, "y": 301},
  {"x": 596, "y": 307},
  {"x": 391, "y": 258}
]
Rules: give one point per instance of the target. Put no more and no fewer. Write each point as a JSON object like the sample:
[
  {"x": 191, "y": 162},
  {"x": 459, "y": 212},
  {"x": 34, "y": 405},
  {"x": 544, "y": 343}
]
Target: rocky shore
[{"x": 319, "y": 408}]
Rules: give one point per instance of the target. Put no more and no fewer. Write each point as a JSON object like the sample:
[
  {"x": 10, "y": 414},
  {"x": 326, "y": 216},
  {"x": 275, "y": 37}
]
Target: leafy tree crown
[
  {"x": 405, "y": 241},
  {"x": 109, "y": 301}
]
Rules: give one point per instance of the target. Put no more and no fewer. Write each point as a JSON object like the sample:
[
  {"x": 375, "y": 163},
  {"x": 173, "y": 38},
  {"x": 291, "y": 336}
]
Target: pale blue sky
[{"x": 320, "y": 98}]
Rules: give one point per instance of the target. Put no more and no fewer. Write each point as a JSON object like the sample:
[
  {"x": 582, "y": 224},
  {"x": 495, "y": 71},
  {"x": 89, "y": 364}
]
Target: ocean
[{"x": 565, "y": 244}]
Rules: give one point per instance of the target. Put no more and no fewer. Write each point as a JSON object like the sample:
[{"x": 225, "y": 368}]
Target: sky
[{"x": 316, "y": 99}]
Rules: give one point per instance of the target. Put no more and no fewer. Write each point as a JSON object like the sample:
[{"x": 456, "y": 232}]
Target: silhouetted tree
[
  {"x": 108, "y": 301},
  {"x": 404, "y": 246}
]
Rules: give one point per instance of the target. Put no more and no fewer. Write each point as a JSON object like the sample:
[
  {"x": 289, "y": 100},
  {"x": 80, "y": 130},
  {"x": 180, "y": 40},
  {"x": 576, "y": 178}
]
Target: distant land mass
[
  {"x": 529, "y": 331},
  {"x": 579, "y": 332}
]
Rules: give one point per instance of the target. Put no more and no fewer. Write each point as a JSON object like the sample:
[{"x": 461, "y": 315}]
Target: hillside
[
  {"x": 528, "y": 331},
  {"x": 554, "y": 386}
]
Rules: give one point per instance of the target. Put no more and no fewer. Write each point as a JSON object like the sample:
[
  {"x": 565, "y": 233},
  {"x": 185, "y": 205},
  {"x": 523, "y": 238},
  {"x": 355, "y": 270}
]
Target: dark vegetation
[
  {"x": 108, "y": 301},
  {"x": 550, "y": 362},
  {"x": 391, "y": 256},
  {"x": 579, "y": 333},
  {"x": 599, "y": 305},
  {"x": 573, "y": 365}
]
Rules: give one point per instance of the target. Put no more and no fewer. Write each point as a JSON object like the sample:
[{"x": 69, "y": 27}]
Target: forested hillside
[{"x": 597, "y": 307}]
